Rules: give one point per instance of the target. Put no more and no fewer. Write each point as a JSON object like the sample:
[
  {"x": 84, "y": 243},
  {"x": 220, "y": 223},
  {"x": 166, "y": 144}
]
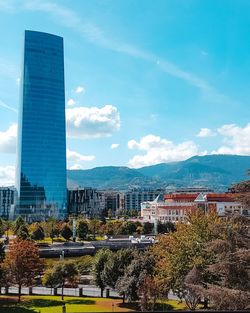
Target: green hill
[{"x": 214, "y": 171}]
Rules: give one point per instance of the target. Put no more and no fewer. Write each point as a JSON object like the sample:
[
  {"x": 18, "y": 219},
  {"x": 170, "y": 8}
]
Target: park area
[{"x": 54, "y": 304}]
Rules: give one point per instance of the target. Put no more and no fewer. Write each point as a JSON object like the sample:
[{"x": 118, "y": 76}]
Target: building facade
[
  {"x": 7, "y": 196},
  {"x": 114, "y": 201},
  {"x": 134, "y": 198},
  {"x": 41, "y": 161},
  {"x": 87, "y": 202},
  {"x": 175, "y": 207}
]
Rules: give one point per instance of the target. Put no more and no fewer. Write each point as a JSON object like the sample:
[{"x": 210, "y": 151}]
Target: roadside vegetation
[{"x": 205, "y": 262}]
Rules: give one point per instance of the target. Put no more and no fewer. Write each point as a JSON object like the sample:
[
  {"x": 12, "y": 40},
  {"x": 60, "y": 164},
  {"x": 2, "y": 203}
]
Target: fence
[{"x": 88, "y": 291}]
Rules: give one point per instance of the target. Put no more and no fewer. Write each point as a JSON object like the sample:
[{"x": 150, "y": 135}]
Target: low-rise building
[{"x": 174, "y": 207}]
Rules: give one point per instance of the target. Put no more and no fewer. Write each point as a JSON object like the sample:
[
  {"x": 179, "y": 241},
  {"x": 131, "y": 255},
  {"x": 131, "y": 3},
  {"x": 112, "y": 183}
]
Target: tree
[
  {"x": 18, "y": 223},
  {"x": 84, "y": 264},
  {"x": 2, "y": 252},
  {"x": 82, "y": 229},
  {"x": 1, "y": 227},
  {"x": 141, "y": 266},
  {"x": 61, "y": 273},
  {"x": 178, "y": 252},
  {"x": 148, "y": 293},
  {"x": 230, "y": 289},
  {"x": 110, "y": 213},
  {"x": 2, "y": 270},
  {"x": 22, "y": 263},
  {"x": 38, "y": 233},
  {"x": 66, "y": 232},
  {"x": 128, "y": 228},
  {"x": 191, "y": 294},
  {"x": 165, "y": 227},
  {"x": 99, "y": 262},
  {"x": 242, "y": 191},
  {"x": 94, "y": 226},
  {"x": 51, "y": 228},
  {"x": 115, "y": 266},
  {"x": 23, "y": 232},
  {"x": 147, "y": 228},
  {"x": 48, "y": 279}
]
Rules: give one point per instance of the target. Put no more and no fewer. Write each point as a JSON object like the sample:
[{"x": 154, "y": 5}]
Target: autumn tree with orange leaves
[{"x": 22, "y": 264}]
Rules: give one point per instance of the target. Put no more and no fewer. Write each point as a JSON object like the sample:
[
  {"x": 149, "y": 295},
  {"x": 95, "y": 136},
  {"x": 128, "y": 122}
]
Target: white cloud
[
  {"x": 93, "y": 122},
  {"x": 159, "y": 150},
  {"x": 80, "y": 89},
  {"x": 206, "y": 132},
  {"x": 73, "y": 156},
  {"x": 114, "y": 146},
  {"x": 8, "y": 139},
  {"x": 76, "y": 167},
  {"x": 75, "y": 160},
  {"x": 71, "y": 102},
  {"x": 7, "y": 175},
  {"x": 236, "y": 140}
]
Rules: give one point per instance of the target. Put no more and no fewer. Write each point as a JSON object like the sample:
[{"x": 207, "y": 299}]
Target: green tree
[
  {"x": 23, "y": 232},
  {"x": 66, "y": 232},
  {"x": 110, "y": 213},
  {"x": 18, "y": 223},
  {"x": 1, "y": 227},
  {"x": 141, "y": 266},
  {"x": 99, "y": 262},
  {"x": 61, "y": 273},
  {"x": 94, "y": 226},
  {"x": 84, "y": 264},
  {"x": 165, "y": 227},
  {"x": 128, "y": 228},
  {"x": 115, "y": 266},
  {"x": 82, "y": 229},
  {"x": 178, "y": 252},
  {"x": 38, "y": 233},
  {"x": 2, "y": 252},
  {"x": 49, "y": 279},
  {"x": 147, "y": 228}
]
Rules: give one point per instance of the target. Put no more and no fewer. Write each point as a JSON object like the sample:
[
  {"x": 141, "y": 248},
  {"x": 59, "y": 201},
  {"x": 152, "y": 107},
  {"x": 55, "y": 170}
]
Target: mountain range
[{"x": 213, "y": 171}]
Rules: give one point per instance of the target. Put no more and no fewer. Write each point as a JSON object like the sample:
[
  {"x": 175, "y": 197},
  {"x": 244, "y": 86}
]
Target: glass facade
[{"x": 41, "y": 155}]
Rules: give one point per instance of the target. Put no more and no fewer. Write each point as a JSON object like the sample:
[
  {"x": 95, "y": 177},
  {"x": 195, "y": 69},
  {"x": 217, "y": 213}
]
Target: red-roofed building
[{"x": 174, "y": 207}]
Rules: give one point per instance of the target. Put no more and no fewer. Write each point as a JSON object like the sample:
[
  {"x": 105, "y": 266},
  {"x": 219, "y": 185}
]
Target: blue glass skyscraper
[{"x": 41, "y": 153}]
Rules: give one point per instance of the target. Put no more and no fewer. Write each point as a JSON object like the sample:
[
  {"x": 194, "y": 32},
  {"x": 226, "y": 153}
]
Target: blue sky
[{"x": 146, "y": 81}]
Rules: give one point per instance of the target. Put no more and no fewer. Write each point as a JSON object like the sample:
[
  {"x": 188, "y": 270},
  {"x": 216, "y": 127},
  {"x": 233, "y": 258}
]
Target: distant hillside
[{"x": 214, "y": 171}]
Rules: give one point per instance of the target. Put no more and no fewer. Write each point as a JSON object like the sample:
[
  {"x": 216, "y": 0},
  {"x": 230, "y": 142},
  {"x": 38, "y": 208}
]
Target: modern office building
[
  {"x": 134, "y": 198},
  {"x": 114, "y": 201},
  {"x": 41, "y": 153},
  {"x": 7, "y": 196},
  {"x": 87, "y": 202}
]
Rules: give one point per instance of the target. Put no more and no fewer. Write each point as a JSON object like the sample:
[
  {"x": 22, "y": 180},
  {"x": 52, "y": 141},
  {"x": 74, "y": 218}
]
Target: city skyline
[{"x": 144, "y": 85}]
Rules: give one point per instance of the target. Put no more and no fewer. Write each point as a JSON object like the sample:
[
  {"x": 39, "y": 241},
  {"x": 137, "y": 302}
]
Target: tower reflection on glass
[{"x": 41, "y": 152}]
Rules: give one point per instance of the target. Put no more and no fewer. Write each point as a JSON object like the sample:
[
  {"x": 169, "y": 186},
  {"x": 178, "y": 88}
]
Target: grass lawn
[{"x": 53, "y": 304}]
